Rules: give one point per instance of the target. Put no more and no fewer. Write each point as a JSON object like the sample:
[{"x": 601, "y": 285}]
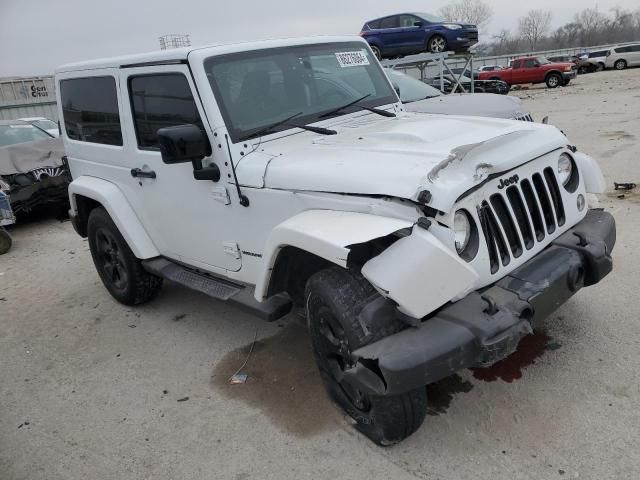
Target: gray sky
[{"x": 38, "y": 35}]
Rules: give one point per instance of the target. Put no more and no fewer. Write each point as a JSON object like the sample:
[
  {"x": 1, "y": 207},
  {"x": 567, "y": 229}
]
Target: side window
[
  {"x": 516, "y": 64},
  {"x": 160, "y": 100},
  {"x": 635, "y": 48},
  {"x": 389, "y": 22},
  {"x": 90, "y": 110},
  {"x": 408, "y": 21},
  {"x": 529, "y": 63}
]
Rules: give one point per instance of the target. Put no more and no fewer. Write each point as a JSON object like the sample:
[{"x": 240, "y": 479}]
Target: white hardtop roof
[{"x": 181, "y": 54}]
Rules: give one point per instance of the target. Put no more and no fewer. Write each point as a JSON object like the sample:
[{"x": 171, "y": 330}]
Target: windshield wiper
[
  {"x": 269, "y": 128},
  {"x": 287, "y": 122},
  {"x": 354, "y": 103}
]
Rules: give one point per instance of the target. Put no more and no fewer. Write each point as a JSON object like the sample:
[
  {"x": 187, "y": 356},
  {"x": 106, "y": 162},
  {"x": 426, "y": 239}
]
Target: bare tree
[
  {"x": 476, "y": 12},
  {"x": 592, "y": 23},
  {"x": 534, "y": 26}
]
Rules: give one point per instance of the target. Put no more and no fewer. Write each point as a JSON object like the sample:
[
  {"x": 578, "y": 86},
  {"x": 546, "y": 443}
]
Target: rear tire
[
  {"x": 334, "y": 299},
  {"x": 437, "y": 44},
  {"x": 553, "y": 80},
  {"x": 119, "y": 269},
  {"x": 5, "y": 241},
  {"x": 620, "y": 64}
]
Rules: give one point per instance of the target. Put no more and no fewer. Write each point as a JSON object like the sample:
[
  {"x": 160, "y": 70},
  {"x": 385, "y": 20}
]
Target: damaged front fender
[
  {"x": 420, "y": 274},
  {"x": 325, "y": 233}
]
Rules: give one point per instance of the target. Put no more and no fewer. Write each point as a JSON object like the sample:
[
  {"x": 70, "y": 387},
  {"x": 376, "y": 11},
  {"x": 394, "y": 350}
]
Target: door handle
[{"x": 138, "y": 173}]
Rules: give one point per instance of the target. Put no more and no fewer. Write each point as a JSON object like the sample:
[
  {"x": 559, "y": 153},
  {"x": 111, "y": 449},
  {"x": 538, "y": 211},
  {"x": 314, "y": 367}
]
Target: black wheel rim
[
  {"x": 111, "y": 259},
  {"x": 337, "y": 355}
]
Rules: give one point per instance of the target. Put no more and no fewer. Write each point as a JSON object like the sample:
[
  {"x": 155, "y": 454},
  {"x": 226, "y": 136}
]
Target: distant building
[
  {"x": 28, "y": 97},
  {"x": 174, "y": 40}
]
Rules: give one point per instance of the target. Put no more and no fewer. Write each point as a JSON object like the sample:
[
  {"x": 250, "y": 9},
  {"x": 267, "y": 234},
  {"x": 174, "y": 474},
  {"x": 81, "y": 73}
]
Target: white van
[{"x": 623, "y": 57}]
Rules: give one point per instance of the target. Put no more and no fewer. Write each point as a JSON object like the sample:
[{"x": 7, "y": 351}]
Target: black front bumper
[{"x": 486, "y": 326}]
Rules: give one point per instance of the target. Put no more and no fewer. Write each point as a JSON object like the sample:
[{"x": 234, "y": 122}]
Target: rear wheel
[
  {"x": 583, "y": 70},
  {"x": 437, "y": 44},
  {"x": 376, "y": 51},
  {"x": 553, "y": 80},
  {"x": 620, "y": 64},
  {"x": 5, "y": 241},
  {"x": 119, "y": 269},
  {"x": 334, "y": 300}
]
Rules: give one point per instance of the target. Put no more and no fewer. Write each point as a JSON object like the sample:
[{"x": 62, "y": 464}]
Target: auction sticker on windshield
[{"x": 352, "y": 59}]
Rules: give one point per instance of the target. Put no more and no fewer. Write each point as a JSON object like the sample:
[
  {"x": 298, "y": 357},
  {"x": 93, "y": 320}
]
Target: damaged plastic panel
[{"x": 486, "y": 326}]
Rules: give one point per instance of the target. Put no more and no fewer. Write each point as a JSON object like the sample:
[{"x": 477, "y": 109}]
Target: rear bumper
[{"x": 486, "y": 326}]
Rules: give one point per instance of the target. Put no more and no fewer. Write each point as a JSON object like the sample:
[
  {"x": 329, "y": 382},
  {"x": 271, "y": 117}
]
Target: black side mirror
[
  {"x": 418, "y": 24},
  {"x": 183, "y": 143},
  {"x": 187, "y": 143}
]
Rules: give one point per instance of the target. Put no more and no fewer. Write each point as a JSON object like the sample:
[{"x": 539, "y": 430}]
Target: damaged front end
[
  {"x": 486, "y": 325},
  {"x": 34, "y": 174},
  {"x": 40, "y": 187}
]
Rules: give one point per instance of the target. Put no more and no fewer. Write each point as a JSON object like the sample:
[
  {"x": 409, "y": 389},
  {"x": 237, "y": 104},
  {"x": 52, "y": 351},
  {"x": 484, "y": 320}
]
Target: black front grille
[
  {"x": 513, "y": 221},
  {"x": 525, "y": 118}
]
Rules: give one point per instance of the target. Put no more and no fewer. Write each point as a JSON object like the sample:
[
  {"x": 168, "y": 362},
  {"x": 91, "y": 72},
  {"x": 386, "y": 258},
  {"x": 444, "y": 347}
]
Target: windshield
[
  {"x": 542, "y": 60},
  {"x": 45, "y": 124},
  {"x": 430, "y": 18},
  {"x": 256, "y": 89},
  {"x": 12, "y": 134},
  {"x": 411, "y": 89}
]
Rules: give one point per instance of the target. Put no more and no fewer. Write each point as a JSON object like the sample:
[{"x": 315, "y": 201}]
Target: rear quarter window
[
  {"x": 373, "y": 25},
  {"x": 90, "y": 110}
]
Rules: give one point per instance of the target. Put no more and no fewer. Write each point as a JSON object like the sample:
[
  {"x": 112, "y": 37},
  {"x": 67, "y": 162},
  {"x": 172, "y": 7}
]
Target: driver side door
[{"x": 189, "y": 220}]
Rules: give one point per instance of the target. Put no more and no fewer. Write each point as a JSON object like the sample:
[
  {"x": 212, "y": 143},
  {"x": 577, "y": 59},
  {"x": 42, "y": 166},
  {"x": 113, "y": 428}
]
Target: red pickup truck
[{"x": 533, "y": 70}]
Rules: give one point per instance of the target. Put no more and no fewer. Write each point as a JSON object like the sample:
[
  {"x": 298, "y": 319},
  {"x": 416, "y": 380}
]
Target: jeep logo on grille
[{"x": 505, "y": 182}]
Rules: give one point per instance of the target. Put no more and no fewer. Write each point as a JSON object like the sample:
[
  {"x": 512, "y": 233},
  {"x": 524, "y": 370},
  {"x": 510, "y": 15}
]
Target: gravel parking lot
[{"x": 90, "y": 389}]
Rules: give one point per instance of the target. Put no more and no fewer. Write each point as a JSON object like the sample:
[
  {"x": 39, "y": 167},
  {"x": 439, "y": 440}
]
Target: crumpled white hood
[{"x": 402, "y": 156}]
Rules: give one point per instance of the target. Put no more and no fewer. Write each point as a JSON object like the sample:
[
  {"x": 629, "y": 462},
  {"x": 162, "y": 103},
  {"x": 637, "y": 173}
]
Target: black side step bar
[{"x": 275, "y": 307}]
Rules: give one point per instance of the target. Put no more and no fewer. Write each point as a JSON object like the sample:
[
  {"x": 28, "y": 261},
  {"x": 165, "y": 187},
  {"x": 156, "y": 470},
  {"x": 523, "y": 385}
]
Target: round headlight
[
  {"x": 565, "y": 168},
  {"x": 461, "y": 230}
]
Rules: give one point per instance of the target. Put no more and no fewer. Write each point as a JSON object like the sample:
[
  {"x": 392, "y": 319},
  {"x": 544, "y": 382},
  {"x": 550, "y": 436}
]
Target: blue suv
[{"x": 411, "y": 33}]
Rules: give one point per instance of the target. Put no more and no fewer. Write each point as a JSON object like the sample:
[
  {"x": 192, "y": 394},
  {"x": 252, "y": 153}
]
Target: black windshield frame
[{"x": 240, "y": 135}]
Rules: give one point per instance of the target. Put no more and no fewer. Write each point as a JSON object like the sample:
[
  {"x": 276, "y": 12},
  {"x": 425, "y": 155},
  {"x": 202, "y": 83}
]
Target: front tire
[
  {"x": 620, "y": 64},
  {"x": 437, "y": 44},
  {"x": 119, "y": 269},
  {"x": 334, "y": 299},
  {"x": 554, "y": 80}
]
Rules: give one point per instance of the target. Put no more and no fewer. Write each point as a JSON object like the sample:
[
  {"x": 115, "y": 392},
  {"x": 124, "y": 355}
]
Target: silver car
[{"x": 420, "y": 97}]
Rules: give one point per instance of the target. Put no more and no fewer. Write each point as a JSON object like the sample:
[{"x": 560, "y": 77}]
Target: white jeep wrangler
[{"x": 287, "y": 173}]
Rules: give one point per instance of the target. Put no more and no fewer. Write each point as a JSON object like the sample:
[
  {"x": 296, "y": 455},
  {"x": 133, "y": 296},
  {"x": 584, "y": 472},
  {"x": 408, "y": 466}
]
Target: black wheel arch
[
  {"x": 550, "y": 72},
  {"x": 84, "y": 207}
]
